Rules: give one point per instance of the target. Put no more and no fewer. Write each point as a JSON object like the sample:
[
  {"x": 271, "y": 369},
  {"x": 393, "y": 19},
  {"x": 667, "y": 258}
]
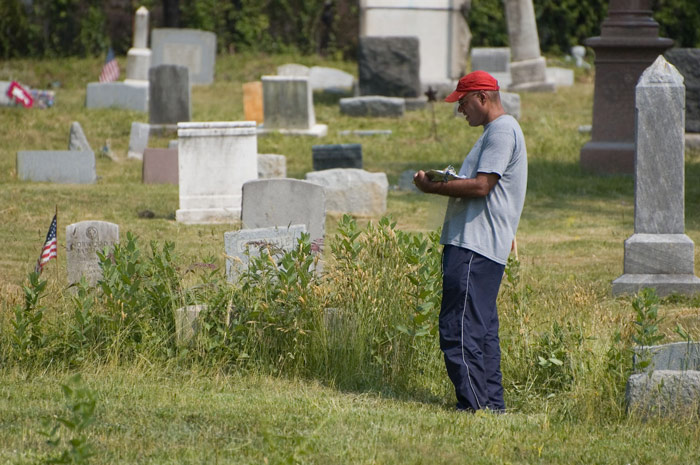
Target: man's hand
[{"x": 423, "y": 183}]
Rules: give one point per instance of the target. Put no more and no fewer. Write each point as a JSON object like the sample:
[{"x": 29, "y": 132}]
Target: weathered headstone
[
  {"x": 241, "y": 245},
  {"x": 128, "y": 96},
  {"x": 160, "y": 166},
  {"x": 77, "y": 140},
  {"x": 528, "y": 68},
  {"x": 491, "y": 59},
  {"x": 187, "y": 323},
  {"x": 325, "y": 157},
  {"x": 664, "y": 393},
  {"x": 138, "y": 139},
  {"x": 353, "y": 191},
  {"x": 60, "y": 166},
  {"x": 677, "y": 356},
  {"x": 138, "y": 58},
  {"x": 293, "y": 69},
  {"x": 191, "y": 48},
  {"x": 253, "y": 101},
  {"x": 627, "y": 45},
  {"x": 169, "y": 94},
  {"x": 281, "y": 202},
  {"x": 389, "y": 66},
  {"x": 271, "y": 166},
  {"x": 579, "y": 53},
  {"x": 373, "y": 105},
  {"x": 439, "y": 25},
  {"x": 330, "y": 80},
  {"x": 83, "y": 241},
  {"x": 288, "y": 106},
  {"x": 214, "y": 160},
  {"x": 687, "y": 61},
  {"x": 659, "y": 254}
]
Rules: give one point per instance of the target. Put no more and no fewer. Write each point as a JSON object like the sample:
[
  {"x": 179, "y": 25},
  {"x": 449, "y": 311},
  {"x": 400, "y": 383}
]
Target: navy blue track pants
[{"x": 469, "y": 328}]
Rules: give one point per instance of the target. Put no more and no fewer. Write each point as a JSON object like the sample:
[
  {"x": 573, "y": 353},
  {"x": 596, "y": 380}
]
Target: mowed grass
[{"x": 570, "y": 247}]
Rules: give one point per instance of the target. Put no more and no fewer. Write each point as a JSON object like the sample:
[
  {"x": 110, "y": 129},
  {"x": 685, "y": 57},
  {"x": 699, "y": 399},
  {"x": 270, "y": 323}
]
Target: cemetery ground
[{"x": 373, "y": 391}]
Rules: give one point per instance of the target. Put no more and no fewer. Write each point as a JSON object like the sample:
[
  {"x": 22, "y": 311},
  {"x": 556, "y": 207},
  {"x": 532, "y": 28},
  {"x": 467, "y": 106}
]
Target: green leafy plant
[
  {"x": 646, "y": 308},
  {"x": 27, "y": 336}
]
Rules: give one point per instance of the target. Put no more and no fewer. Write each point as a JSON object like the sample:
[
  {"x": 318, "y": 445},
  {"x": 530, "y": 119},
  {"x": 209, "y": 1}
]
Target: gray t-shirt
[{"x": 487, "y": 225}]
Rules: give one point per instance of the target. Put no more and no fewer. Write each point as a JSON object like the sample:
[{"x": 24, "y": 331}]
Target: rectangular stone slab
[
  {"x": 59, "y": 166},
  {"x": 160, "y": 166}
]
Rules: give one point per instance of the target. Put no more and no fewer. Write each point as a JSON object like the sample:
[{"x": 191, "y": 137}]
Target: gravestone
[
  {"x": 373, "y": 105},
  {"x": 664, "y": 393},
  {"x": 160, "y": 166},
  {"x": 325, "y": 157},
  {"x": 192, "y": 48},
  {"x": 293, "y": 69},
  {"x": 330, "y": 80},
  {"x": 687, "y": 61},
  {"x": 353, "y": 191},
  {"x": 491, "y": 59},
  {"x": 678, "y": 356},
  {"x": 59, "y": 166},
  {"x": 169, "y": 94},
  {"x": 365, "y": 132},
  {"x": 187, "y": 323},
  {"x": 138, "y": 58},
  {"x": 579, "y": 53},
  {"x": 271, "y": 166},
  {"x": 416, "y": 103},
  {"x": 627, "y": 45},
  {"x": 389, "y": 66},
  {"x": 282, "y": 202},
  {"x": 528, "y": 68},
  {"x": 138, "y": 139},
  {"x": 214, "y": 160},
  {"x": 241, "y": 245},
  {"x": 253, "y": 101},
  {"x": 83, "y": 241},
  {"x": 659, "y": 255},
  {"x": 288, "y": 106},
  {"x": 439, "y": 26},
  {"x": 128, "y": 96},
  {"x": 77, "y": 140}
]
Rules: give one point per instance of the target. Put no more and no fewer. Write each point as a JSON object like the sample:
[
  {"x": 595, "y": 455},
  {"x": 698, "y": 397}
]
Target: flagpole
[{"x": 56, "y": 213}]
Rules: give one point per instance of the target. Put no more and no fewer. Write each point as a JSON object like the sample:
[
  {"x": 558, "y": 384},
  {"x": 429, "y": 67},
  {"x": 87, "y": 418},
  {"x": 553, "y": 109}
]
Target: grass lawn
[{"x": 153, "y": 411}]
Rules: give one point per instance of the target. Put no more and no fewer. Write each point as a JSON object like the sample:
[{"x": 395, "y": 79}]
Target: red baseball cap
[{"x": 476, "y": 80}]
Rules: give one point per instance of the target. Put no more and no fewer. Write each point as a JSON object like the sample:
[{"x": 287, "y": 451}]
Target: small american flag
[
  {"x": 50, "y": 247},
  {"x": 110, "y": 71}
]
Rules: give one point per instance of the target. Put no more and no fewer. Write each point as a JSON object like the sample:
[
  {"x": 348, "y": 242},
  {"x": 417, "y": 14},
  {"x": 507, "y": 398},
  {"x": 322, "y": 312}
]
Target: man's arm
[{"x": 479, "y": 186}]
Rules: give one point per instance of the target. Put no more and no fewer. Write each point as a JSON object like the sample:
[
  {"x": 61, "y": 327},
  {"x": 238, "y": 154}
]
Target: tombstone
[
  {"x": 160, "y": 166},
  {"x": 282, "y": 202},
  {"x": 330, "y": 80},
  {"x": 354, "y": 191},
  {"x": 138, "y": 58},
  {"x": 169, "y": 95},
  {"x": 325, "y": 157},
  {"x": 271, "y": 166},
  {"x": 677, "y": 356},
  {"x": 253, "y": 101},
  {"x": 192, "y": 48},
  {"x": 77, "y": 140},
  {"x": 288, "y": 107},
  {"x": 687, "y": 61},
  {"x": 627, "y": 45},
  {"x": 527, "y": 70},
  {"x": 214, "y": 160},
  {"x": 373, "y": 105},
  {"x": 664, "y": 393},
  {"x": 241, "y": 245},
  {"x": 131, "y": 95},
  {"x": 579, "y": 52},
  {"x": 59, "y": 166},
  {"x": 5, "y": 100},
  {"x": 406, "y": 181},
  {"x": 659, "y": 254},
  {"x": 389, "y": 66},
  {"x": 491, "y": 59},
  {"x": 439, "y": 25},
  {"x": 365, "y": 132},
  {"x": 416, "y": 103},
  {"x": 560, "y": 77},
  {"x": 293, "y": 69},
  {"x": 138, "y": 140},
  {"x": 83, "y": 241},
  {"x": 187, "y": 323}
]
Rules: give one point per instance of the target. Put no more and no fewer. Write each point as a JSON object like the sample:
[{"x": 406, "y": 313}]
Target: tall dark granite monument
[{"x": 627, "y": 45}]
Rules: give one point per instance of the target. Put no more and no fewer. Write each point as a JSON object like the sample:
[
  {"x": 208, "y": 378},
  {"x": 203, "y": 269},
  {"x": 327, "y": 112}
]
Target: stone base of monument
[
  {"x": 602, "y": 157},
  {"x": 667, "y": 393},
  {"x": 138, "y": 61},
  {"x": 561, "y": 77},
  {"x": 317, "y": 130},
  {"x": 208, "y": 215},
  {"x": 659, "y": 254},
  {"x": 530, "y": 76},
  {"x": 664, "y": 284},
  {"x": 129, "y": 96}
]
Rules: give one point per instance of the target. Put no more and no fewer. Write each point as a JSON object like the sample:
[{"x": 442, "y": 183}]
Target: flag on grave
[
  {"x": 110, "y": 71},
  {"x": 50, "y": 248}
]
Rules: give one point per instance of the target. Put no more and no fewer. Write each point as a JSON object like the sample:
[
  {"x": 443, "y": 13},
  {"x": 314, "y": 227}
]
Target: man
[{"x": 480, "y": 224}]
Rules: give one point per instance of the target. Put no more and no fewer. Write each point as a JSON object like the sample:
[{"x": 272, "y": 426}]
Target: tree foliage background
[{"x": 55, "y": 28}]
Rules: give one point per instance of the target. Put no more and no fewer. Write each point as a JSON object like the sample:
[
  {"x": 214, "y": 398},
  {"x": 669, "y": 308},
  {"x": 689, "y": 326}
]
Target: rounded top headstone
[{"x": 661, "y": 72}]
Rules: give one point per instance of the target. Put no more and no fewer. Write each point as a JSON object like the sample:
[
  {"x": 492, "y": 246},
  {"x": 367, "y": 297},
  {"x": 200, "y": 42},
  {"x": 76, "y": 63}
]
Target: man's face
[{"x": 471, "y": 105}]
